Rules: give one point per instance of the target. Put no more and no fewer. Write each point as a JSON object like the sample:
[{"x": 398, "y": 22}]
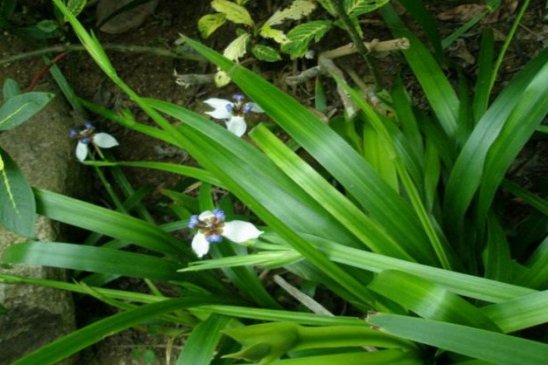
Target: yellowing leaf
[
  {"x": 1, "y": 164},
  {"x": 275, "y": 34},
  {"x": 297, "y": 10},
  {"x": 221, "y": 79},
  {"x": 233, "y": 12},
  {"x": 237, "y": 48},
  {"x": 234, "y": 51},
  {"x": 209, "y": 23}
]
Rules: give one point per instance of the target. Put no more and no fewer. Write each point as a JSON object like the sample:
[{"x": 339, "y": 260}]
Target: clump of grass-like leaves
[{"x": 410, "y": 233}]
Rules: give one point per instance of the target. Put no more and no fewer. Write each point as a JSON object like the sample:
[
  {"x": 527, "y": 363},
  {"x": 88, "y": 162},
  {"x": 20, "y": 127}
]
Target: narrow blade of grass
[
  {"x": 97, "y": 219},
  {"x": 477, "y": 343},
  {"x": 93, "y": 259}
]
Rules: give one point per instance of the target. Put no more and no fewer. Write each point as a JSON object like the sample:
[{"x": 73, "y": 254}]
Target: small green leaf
[
  {"x": 265, "y": 53},
  {"x": 328, "y": 6},
  {"x": 19, "y": 108},
  {"x": 10, "y": 89},
  {"x": 233, "y": 12},
  {"x": 210, "y": 23},
  {"x": 17, "y": 205},
  {"x": 301, "y": 36},
  {"x": 359, "y": 7},
  {"x": 47, "y": 26},
  {"x": 76, "y": 6}
]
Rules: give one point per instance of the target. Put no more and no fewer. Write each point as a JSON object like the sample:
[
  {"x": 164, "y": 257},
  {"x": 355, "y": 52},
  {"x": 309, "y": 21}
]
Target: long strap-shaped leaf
[
  {"x": 82, "y": 338},
  {"x": 481, "y": 344},
  {"x": 173, "y": 168},
  {"x": 325, "y": 194},
  {"x": 98, "y": 219},
  {"x": 429, "y": 300},
  {"x": 252, "y": 168},
  {"x": 469, "y": 169},
  {"x": 219, "y": 160},
  {"x": 436, "y": 86},
  {"x": 529, "y": 111},
  {"x": 94, "y": 259},
  {"x": 327, "y": 147}
]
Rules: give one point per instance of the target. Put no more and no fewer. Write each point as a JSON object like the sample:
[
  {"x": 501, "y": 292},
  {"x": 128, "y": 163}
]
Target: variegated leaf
[
  {"x": 301, "y": 36},
  {"x": 275, "y": 34},
  {"x": 297, "y": 10},
  {"x": 17, "y": 204},
  {"x": 233, "y": 12},
  {"x": 210, "y": 23},
  {"x": 19, "y": 108},
  {"x": 237, "y": 48},
  {"x": 265, "y": 53},
  {"x": 359, "y": 7}
]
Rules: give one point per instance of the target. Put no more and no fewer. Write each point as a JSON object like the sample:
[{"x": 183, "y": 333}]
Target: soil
[{"x": 152, "y": 76}]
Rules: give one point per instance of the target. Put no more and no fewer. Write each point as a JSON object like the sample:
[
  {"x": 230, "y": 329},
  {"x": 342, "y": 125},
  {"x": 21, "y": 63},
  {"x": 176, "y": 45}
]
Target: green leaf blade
[
  {"x": 84, "y": 337},
  {"x": 92, "y": 259},
  {"x": 19, "y": 108},
  {"x": 17, "y": 203},
  {"x": 481, "y": 344},
  {"x": 299, "y": 38},
  {"x": 105, "y": 221}
]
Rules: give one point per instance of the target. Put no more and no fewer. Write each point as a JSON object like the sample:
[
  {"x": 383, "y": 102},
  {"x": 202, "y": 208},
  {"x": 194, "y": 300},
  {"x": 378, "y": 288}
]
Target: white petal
[
  {"x": 240, "y": 231},
  {"x": 104, "y": 140},
  {"x": 81, "y": 151},
  {"x": 254, "y": 108},
  {"x": 200, "y": 245},
  {"x": 237, "y": 125},
  {"x": 219, "y": 108},
  {"x": 206, "y": 215}
]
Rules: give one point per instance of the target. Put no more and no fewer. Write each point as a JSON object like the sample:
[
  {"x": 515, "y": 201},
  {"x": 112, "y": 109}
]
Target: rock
[{"x": 37, "y": 315}]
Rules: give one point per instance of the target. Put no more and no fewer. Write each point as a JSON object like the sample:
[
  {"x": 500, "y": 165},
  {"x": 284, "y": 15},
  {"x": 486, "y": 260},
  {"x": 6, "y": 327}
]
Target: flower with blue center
[
  {"x": 212, "y": 228},
  {"x": 85, "y": 135},
  {"x": 232, "y": 113}
]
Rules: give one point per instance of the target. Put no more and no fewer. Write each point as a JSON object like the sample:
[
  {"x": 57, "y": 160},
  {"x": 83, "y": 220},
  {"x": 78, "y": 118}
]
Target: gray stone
[{"x": 38, "y": 315}]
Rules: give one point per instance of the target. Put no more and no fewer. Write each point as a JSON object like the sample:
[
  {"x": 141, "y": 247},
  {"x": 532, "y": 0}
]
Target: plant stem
[{"x": 356, "y": 39}]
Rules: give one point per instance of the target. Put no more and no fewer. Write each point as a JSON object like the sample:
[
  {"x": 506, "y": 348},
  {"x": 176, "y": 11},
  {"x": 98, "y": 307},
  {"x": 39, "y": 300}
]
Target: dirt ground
[{"x": 152, "y": 76}]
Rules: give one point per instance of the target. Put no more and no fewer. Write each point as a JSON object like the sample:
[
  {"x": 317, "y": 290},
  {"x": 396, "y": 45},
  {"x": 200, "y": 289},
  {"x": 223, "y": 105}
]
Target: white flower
[
  {"x": 85, "y": 135},
  {"x": 232, "y": 112},
  {"x": 212, "y": 227}
]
